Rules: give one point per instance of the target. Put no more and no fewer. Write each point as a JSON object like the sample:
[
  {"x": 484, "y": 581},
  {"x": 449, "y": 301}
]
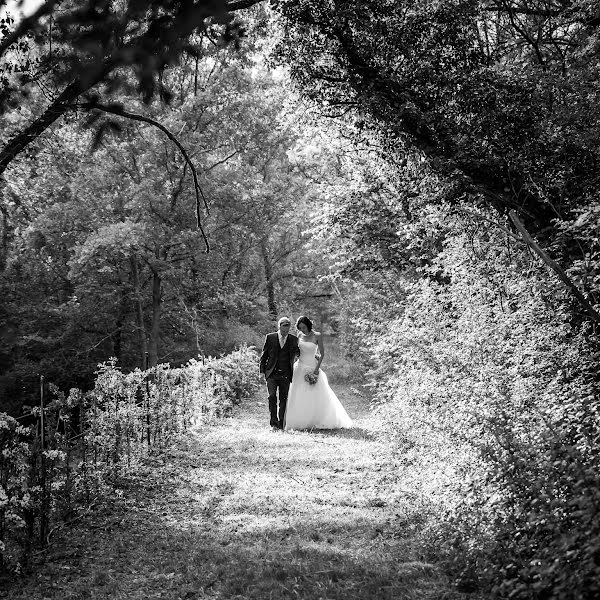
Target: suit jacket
[{"x": 270, "y": 350}]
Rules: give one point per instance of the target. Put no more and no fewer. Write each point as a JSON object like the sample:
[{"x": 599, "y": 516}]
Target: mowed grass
[{"x": 240, "y": 511}]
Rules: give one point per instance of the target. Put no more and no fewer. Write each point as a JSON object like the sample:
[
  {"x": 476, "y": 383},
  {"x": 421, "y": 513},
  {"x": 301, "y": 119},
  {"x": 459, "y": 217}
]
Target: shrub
[
  {"x": 91, "y": 438},
  {"x": 491, "y": 394}
]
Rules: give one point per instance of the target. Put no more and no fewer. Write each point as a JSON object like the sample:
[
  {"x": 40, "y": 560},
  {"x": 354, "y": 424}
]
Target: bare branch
[
  {"x": 135, "y": 117},
  {"x": 591, "y": 311},
  {"x": 220, "y": 162}
]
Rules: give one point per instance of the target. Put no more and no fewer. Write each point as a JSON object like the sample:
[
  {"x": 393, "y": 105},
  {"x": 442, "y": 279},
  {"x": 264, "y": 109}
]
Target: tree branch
[
  {"x": 58, "y": 108},
  {"x": 86, "y": 74},
  {"x": 115, "y": 110},
  {"x": 472, "y": 213},
  {"x": 240, "y": 4},
  {"x": 591, "y": 311},
  {"x": 220, "y": 162}
]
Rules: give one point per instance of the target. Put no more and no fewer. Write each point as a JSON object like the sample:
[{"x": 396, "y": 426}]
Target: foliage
[
  {"x": 500, "y": 97},
  {"x": 342, "y": 533},
  {"x": 14, "y": 494},
  {"x": 91, "y": 439},
  {"x": 489, "y": 390},
  {"x": 102, "y": 256},
  {"x": 482, "y": 363},
  {"x": 88, "y": 51},
  {"x": 463, "y": 110}
]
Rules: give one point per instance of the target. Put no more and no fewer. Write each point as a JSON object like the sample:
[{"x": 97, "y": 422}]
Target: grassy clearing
[{"x": 240, "y": 511}]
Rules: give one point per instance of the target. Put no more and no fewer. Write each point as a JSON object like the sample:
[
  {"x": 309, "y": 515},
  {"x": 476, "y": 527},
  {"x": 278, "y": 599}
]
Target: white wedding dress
[{"x": 312, "y": 406}]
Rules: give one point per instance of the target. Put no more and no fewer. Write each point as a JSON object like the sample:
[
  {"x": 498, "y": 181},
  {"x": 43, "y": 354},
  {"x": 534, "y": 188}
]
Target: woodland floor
[{"x": 240, "y": 511}]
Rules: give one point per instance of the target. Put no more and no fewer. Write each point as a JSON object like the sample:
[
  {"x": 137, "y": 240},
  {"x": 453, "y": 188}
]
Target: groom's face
[{"x": 284, "y": 328}]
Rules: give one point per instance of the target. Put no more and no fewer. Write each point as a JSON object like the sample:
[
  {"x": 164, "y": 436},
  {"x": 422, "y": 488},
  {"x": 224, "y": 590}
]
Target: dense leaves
[
  {"x": 102, "y": 256},
  {"x": 501, "y": 97},
  {"x": 77, "y": 51},
  {"x": 479, "y": 356},
  {"x": 487, "y": 389}
]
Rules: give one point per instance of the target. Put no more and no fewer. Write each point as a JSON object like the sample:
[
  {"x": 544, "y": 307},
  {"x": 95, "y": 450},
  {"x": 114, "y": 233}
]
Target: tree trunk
[
  {"x": 120, "y": 322},
  {"x": 155, "y": 328},
  {"x": 139, "y": 311},
  {"x": 4, "y": 236},
  {"x": 583, "y": 301},
  {"x": 271, "y": 303}
]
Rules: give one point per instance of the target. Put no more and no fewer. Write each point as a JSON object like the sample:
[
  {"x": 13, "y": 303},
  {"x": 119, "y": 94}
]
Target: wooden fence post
[
  {"x": 44, "y": 503},
  {"x": 147, "y": 399},
  {"x": 84, "y": 466}
]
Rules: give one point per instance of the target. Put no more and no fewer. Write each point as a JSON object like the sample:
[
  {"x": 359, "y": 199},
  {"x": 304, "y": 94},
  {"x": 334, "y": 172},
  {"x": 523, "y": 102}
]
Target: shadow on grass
[
  {"x": 244, "y": 514},
  {"x": 145, "y": 558},
  {"x": 304, "y": 562},
  {"x": 354, "y": 433},
  {"x": 309, "y": 561}
]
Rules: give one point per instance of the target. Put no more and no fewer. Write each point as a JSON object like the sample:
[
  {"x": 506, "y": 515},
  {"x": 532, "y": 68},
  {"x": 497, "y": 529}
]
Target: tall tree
[{"x": 107, "y": 240}]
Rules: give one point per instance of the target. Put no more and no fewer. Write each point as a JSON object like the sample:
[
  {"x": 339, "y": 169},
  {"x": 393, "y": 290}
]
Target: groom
[{"x": 277, "y": 364}]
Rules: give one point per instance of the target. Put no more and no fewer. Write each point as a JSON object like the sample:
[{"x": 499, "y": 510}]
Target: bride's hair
[{"x": 306, "y": 321}]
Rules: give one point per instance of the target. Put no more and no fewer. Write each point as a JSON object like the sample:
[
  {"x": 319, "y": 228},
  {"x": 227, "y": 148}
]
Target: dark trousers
[{"x": 278, "y": 380}]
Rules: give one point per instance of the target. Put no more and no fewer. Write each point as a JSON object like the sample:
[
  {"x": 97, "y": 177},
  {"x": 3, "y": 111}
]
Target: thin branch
[
  {"x": 135, "y": 117},
  {"x": 591, "y": 311},
  {"x": 313, "y": 296},
  {"x": 106, "y": 337},
  {"x": 472, "y": 213},
  {"x": 240, "y": 4},
  {"x": 220, "y": 162}
]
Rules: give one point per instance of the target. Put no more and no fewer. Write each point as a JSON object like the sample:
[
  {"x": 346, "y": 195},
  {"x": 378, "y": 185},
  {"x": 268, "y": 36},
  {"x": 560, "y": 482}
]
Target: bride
[{"x": 312, "y": 404}]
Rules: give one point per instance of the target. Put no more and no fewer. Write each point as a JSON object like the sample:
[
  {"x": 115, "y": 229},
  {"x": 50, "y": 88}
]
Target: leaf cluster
[
  {"x": 500, "y": 97},
  {"x": 92, "y": 42}
]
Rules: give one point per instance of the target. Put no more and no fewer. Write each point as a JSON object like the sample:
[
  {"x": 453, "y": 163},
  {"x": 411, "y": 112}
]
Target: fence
[{"x": 65, "y": 453}]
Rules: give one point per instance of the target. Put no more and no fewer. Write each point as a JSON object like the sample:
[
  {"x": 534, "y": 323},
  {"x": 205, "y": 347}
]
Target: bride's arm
[{"x": 321, "y": 352}]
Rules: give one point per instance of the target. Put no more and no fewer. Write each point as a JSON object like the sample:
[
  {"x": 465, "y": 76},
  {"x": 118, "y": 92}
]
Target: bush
[
  {"x": 91, "y": 438},
  {"x": 491, "y": 393}
]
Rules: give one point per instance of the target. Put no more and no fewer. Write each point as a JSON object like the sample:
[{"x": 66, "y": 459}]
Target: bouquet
[{"x": 311, "y": 378}]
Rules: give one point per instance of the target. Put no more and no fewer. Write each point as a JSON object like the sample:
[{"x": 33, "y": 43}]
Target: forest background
[{"x": 379, "y": 166}]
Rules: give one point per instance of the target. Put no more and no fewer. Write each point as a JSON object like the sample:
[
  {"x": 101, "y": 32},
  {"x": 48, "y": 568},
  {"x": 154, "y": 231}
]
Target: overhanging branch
[
  {"x": 115, "y": 110},
  {"x": 472, "y": 213},
  {"x": 589, "y": 309},
  {"x": 84, "y": 73},
  {"x": 240, "y": 4}
]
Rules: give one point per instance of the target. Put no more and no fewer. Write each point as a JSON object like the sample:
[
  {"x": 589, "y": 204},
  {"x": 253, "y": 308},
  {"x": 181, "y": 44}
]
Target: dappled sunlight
[
  {"x": 238, "y": 510},
  {"x": 179, "y": 178}
]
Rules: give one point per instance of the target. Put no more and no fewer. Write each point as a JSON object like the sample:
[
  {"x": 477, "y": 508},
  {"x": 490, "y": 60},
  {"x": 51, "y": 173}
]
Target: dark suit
[{"x": 277, "y": 364}]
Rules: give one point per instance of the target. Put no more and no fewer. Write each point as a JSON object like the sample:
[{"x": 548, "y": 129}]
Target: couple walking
[{"x": 305, "y": 399}]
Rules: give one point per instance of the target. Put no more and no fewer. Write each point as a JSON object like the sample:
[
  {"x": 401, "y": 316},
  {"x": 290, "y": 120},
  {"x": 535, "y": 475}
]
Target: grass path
[{"x": 241, "y": 511}]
